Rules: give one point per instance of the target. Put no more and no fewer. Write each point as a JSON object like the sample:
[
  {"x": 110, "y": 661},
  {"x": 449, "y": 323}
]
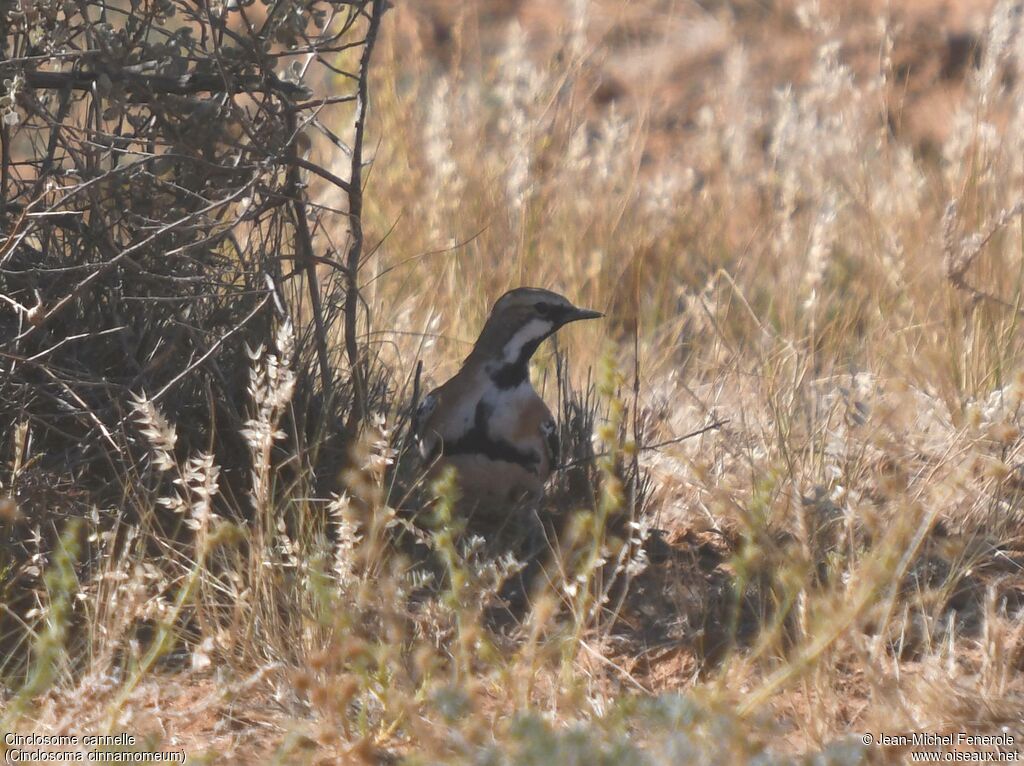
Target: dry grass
[{"x": 845, "y": 554}]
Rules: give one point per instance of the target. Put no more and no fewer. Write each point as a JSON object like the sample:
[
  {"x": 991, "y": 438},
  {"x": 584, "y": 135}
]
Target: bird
[{"x": 487, "y": 421}]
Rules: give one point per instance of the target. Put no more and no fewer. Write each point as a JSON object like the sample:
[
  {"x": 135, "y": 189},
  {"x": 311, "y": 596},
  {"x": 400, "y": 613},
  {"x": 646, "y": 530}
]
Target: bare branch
[
  {"x": 355, "y": 207},
  {"x": 304, "y": 251},
  {"x": 144, "y": 86}
]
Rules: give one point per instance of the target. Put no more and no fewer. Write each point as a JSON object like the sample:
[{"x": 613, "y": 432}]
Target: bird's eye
[{"x": 544, "y": 309}]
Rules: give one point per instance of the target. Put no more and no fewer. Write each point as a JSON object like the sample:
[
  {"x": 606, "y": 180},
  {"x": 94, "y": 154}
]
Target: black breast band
[{"x": 478, "y": 441}]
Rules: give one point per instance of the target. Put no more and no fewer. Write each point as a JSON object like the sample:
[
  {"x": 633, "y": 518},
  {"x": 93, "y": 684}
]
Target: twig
[
  {"x": 142, "y": 85},
  {"x": 355, "y": 212},
  {"x": 960, "y": 256},
  {"x": 327, "y": 175},
  {"x": 5, "y": 168},
  {"x": 411, "y": 258},
  {"x": 713, "y": 427},
  {"x": 319, "y": 102},
  {"x": 212, "y": 350},
  {"x": 304, "y": 251},
  {"x": 110, "y": 265},
  {"x": 649, "y": 447}
]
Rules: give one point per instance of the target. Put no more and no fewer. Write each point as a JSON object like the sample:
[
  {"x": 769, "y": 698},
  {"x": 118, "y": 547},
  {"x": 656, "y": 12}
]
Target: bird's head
[{"x": 520, "y": 320}]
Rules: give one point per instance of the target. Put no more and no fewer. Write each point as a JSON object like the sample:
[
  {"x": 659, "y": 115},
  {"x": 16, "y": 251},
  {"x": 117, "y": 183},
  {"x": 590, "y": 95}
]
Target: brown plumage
[{"x": 487, "y": 421}]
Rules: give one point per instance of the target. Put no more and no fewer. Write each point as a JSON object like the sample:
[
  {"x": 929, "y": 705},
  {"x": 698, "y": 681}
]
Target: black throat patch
[{"x": 511, "y": 374}]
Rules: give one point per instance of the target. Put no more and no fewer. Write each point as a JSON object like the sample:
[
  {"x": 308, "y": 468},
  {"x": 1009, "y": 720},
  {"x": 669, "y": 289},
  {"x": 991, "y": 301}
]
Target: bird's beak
[{"x": 576, "y": 315}]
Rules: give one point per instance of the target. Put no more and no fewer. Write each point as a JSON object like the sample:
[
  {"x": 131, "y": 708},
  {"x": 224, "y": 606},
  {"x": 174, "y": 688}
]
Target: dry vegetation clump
[{"x": 785, "y": 256}]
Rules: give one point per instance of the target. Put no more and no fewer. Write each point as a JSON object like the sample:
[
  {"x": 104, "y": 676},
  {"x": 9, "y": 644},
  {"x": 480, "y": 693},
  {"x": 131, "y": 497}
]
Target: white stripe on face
[{"x": 533, "y": 330}]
